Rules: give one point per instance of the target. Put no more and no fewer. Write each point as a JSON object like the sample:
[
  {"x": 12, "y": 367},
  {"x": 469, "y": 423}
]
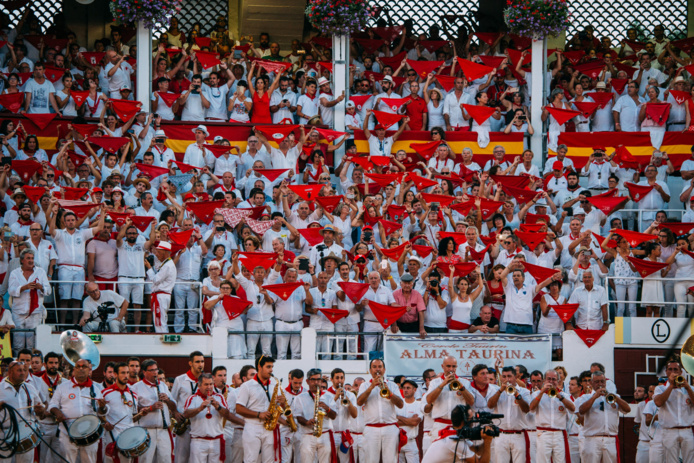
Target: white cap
[
  {"x": 323, "y": 81},
  {"x": 389, "y": 79},
  {"x": 202, "y": 128},
  {"x": 164, "y": 246},
  {"x": 160, "y": 134},
  {"x": 218, "y": 138},
  {"x": 416, "y": 259}
]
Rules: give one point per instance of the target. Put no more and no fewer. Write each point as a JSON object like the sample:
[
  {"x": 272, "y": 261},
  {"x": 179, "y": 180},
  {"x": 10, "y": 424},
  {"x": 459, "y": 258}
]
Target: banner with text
[{"x": 410, "y": 355}]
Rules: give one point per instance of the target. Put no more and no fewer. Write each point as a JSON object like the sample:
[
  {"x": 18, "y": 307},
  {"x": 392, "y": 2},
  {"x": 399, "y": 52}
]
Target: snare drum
[
  {"x": 85, "y": 430},
  {"x": 28, "y": 438},
  {"x": 133, "y": 442}
]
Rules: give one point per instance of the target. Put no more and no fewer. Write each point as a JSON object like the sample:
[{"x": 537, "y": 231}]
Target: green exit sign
[
  {"x": 95, "y": 337},
  {"x": 171, "y": 338}
]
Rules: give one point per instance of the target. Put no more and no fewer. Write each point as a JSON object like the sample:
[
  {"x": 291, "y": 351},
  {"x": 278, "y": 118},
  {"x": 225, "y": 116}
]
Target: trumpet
[
  {"x": 610, "y": 398},
  {"x": 344, "y": 401},
  {"x": 552, "y": 393},
  {"x": 384, "y": 392},
  {"x": 455, "y": 385},
  {"x": 680, "y": 380},
  {"x": 510, "y": 390}
]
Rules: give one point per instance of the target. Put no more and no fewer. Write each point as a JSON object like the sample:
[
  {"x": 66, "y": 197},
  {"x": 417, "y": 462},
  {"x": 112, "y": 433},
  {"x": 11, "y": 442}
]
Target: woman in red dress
[{"x": 261, "y": 97}]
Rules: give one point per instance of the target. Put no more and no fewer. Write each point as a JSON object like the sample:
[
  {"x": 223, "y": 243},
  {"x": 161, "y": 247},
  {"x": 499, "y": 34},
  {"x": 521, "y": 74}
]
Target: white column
[
  {"x": 538, "y": 99},
  {"x": 340, "y": 77},
  {"x": 143, "y": 82}
]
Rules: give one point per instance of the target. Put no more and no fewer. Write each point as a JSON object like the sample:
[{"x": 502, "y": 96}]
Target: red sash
[
  {"x": 456, "y": 325},
  {"x": 222, "y": 445},
  {"x": 156, "y": 310}
]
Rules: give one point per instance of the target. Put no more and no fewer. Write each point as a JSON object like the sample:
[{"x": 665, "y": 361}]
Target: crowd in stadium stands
[{"x": 460, "y": 245}]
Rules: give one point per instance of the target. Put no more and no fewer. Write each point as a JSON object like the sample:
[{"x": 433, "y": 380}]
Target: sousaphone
[{"x": 77, "y": 346}]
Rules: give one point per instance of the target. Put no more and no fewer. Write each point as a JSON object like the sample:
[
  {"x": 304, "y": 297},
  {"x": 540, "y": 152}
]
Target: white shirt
[
  {"x": 377, "y": 409},
  {"x": 514, "y": 417},
  {"x": 22, "y": 299},
  {"x": 481, "y": 404},
  {"x": 119, "y": 79},
  {"x": 90, "y": 305},
  {"x": 309, "y": 107},
  {"x": 71, "y": 247},
  {"x": 198, "y": 156},
  {"x": 327, "y": 300},
  {"x": 122, "y": 405},
  {"x": 347, "y": 304},
  {"x": 184, "y": 386},
  {"x": 550, "y": 413},
  {"x": 597, "y": 422},
  {"x": 226, "y": 163},
  {"x": 147, "y": 396},
  {"x": 383, "y": 295},
  {"x": 164, "y": 279},
  {"x": 26, "y": 396},
  {"x": 447, "y": 399},
  {"x": 589, "y": 313},
  {"x": 193, "y": 109},
  {"x": 451, "y": 106},
  {"x": 255, "y": 397},
  {"x": 628, "y": 113},
  {"x": 189, "y": 263},
  {"x": 326, "y": 113},
  {"x": 131, "y": 257},
  {"x": 598, "y": 173},
  {"x": 260, "y": 311},
  {"x": 200, "y": 426},
  {"x": 291, "y": 310},
  {"x": 74, "y": 401},
  {"x": 343, "y": 418},
  {"x": 379, "y": 147},
  {"x": 677, "y": 410},
  {"x": 519, "y": 304},
  {"x": 282, "y": 113},
  {"x": 280, "y": 160},
  {"x": 410, "y": 411},
  {"x": 304, "y": 406},
  {"x": 40, "y": 96},
  {"x": 44, "y": 254},
  {"x": 217, "y": 96}
]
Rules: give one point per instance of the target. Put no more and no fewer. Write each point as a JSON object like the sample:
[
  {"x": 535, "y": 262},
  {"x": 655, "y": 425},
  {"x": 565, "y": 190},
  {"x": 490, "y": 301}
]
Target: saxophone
[
  {"x": 274, "y": 411},
  {"x": 287, "y": 413},
  {"x": 318, "y": 415}
]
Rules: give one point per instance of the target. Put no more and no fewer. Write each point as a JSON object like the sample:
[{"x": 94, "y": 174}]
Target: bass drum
[
  {"x": 85, "y": 430},
  {"x": 133, "y": 442},
  {"x": 28, "y": 438}
]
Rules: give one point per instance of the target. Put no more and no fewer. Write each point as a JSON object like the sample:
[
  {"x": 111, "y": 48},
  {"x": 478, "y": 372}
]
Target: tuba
[
  {"x": 318, "y": 415},
  {"x": 287, "y": 413},
  {"x": 77, "y": 346},
  {"x": 274, "y": 411}
]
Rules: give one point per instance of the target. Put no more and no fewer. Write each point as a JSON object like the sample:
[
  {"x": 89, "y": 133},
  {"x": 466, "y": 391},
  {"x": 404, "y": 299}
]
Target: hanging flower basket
[
  {"x": 537, "y": 19},
  {"x": 339, "y": 17},
  {"x": 151, "y": 13}
]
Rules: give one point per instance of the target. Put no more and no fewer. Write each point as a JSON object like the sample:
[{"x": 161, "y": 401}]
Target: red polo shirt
[{"x": 415, "y": 111}]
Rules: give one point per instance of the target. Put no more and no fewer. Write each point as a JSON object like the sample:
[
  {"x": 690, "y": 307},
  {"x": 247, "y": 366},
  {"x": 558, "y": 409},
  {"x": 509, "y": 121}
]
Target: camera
[
  {"x": 435, "y": 207},
  {"x": 461, "y": 415},
  {"x": 304, "y": 265},
  {"x": 105, "y": 309},
  {"x": 434, "y": 283},
  {"x": 160, "y": 140},
  {"x": 150, "y": 259},
  {"x": 368, "y": 235}
]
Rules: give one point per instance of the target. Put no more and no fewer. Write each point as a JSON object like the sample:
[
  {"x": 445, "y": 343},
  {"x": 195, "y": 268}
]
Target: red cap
[
  {"x": 558, "y": 165},
  {"x": 599, "y": 148},
  {"x": 188, "y": 196},
  {"x": 379, "y": 127},
  {"x": 500, "y": 73},
  {"x": 97, "y": 190}
]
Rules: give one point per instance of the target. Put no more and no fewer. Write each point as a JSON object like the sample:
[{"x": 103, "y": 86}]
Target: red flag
[
  {"x": 607, "y": 204},
  {"x": 561, "y": 115},
  {"x": 385, "y": 314},
  {"x": 680, "y": 96},
  {"x": 181, "y": 237},
  {"x": 326, "y": 65},
  {"x": 540, "y": 273},
  {"x": 586, "y": 108},
  {"x": 522, "y": 195},
  {"x": 354, "y": 291},
  {"x": 334, "y": 315},
  {"x": 462, "y": 269},
  {"x": 110, "y": 144},
  {"x": 619, "y": 84},
  {"x": 488, "y": 37},
  {"x": 329, "y": 203},
  {"x": 427, "y": 149},
  {"x": 125, "y": 109},
  {"x": 422, "y": 250},
  {"x": 443, "y": 200},
  {"x": 329, "y": 135},
  {"x": 234, "y": 306},
  {"x": 625, "y": 159},
  {"x": 203, "y": 42},
  {"x": 459, "y": 238},
  {"x": 74, "y": 194},
  {"x": 385, "y": 179},
  {"x": 80, "y": 208},
  {"x": 204, "y": 210},
  {"x": 602, "y": 98},
  {"x": 678, "y": 228},
  {"x": 646, "y": 267},
  {"x": 151, "y": 171},
  {"x": 26, "y": 169},
  {"x": 271, "y": 174},
  {"x": 284, "y": 290},
  {"x": 142, "y": 223},
  {"x": 396, "y": 212},
  {"x": 424, "y": 68},
  {"x": 447, "y": 82},
  {"x": 472, "y": 70},
  {"x": 169, "y": 98},
  {"x": 277, "y": 132},
  {"x": 592, "y": 68},
  {"x": 94, "y": 58},
  {"x": 207, "y": 59},
  {"x": 311, "y": 235},
  {"x": 306, "y": 192},
  {"x": 477, "y": 256},
  {"x": 638, "y": 192},
  {"x": 34, "y": 193},
  {"x": 479, "y": 113},
  {"x": 634, "y": 238},
  {"x": 119, "y": 217},
  {"x": 395, "y": 253},
  {"x": 41, "y": 120},
  {"x": 53, "y": 73},
  {"x": 658, "y": 112},
  {"x": 252, "y": 261},
  {"x": 531, "y": 239},
  {"x": 590, "y": 337},
  {"x": 12, "y": 101},
  {"x": 491, "y": 61},
  {"x": 360, "y": 100},
  {"x": 565, "y": 311},
  {"x": 420, "y": 182}
]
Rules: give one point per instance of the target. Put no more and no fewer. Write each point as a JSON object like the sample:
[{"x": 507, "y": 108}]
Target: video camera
[
  {"x": 461, "y": 415},
  {"x": 105, "y": 309}
]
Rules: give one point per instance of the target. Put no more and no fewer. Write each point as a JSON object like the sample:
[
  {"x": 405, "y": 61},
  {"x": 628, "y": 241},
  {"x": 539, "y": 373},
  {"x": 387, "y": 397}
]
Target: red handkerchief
[
  {"x": 181, "y": 237},
  {"x": 531, "y": 239},
  {"x": 74, "y": 194},
  {"x": 443, "y": 200},
  {"x": 203, "y": 42},
  {"x": 385, "y": 179},
  {"x": 602, "y": 98},
  {"x": 619, "y": 84},
  {"x": 80, "y": 208},
  {"x": 680, "y": 96},
  {"x": 354, "y": 291},
  {"x": 41, "y": 120},
  {"x": 424, "y": 68},
  {"x": 646, "y": 267},
  {"x": 183, "y": 167},
  {"x": 26, "y": 169},
  {"x": 110, "y": 144},
  {"x": 235, "y": 306},
  {"x": 426, "y": 150},
  {"x": 12, "y": 101},
  {"x": 422, "y": 250},
  {"x": 589, "y": 337},
  {"x": 562, "y": 115},
  {"x": 634, "y": 238},
  {"x": 393, "y": 61},
  {"x": 462, "y": 269},
  {"x": 587, "y": 108},
  {"x": 658, "y": 112},
  {"x": 204, "y": 210},
  {"x": 472, "y": 70},
  {"x": 638, "y": 192},
  {"x": 169, "y": 98},
  {"x": 539, "y": 273},
  {"x": 283, "y": 290},
  {"x": 396, "y": 212},
  {"x": 94, "y": 58},
  {"x": 488, "y": 37},
  {"x": 625, "y": 159},
  {"x": 54, "y": 74},
  {"x": 678, "y": 228},
  {"x": 34, "y": 193},
  {"x": 447, "y": 82},
  {"x": 515, "y": 181},
  {"x": 277, "y": 132},
  {"x": 125, "y": 109},
  {"x": 217, "y": 150},
  {"x": 565, "y": 311},
  {"x": 142, "y": 223},
  {"x": 394, "y": 103},
  {"x": 607, "y": 205},
  {"x": 385, "y": 314},
  {"x": 329, "y": 135},
  {"x": 394, "y": 253},
  {"x": 387, "y": 119},
  {"x": 207, "y": 59},
  {"x": 334, "y": 315},
  {"x": 479, "y": 113},
  {"x": 592, "y": 69},
  {"x": 252, "y": 262},
  {"x": 420, "y": 182},
  {"x": 492, "y": 61},
  {"x": 478, "y": 256},
  {"x": 119, "y": 217},
  {"x": 326, "y": 65},
  {"x": 459, "y": 238},
  {"x": 359, "y": 100},
  {"x": 306, "y": 192},
  {"x": 311, "y": 235},
  {"x": 521, "y": 194},
  {"x": 151, "y": 171},
  {"x": 271, "y": 174}
]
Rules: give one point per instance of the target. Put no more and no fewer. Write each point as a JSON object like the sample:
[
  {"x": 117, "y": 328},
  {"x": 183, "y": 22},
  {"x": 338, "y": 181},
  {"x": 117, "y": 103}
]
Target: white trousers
[
  {"x": 236, "y": 455},
  {"x": 681, "y": 296},
  {"x": 350, "y": 343},
  {"x": 323, "y": 344},
  {"x": 381, "y": 444},
  {"x": 574, "y": 450},
  {"x": 600, "y": 450},
  {"x": 656, "y": 452},
  {"x": 343, "y": 457},
  {"x": 445, "y": 450},
  {"x": 182, "y": 448},
  {"x": 160, "y": 447},
  {"x": 313, "y": 447},
  {"x": 358, "y": 448},
  {"x": 252, "y": 339},
  {"x": 510, "y": 447},
  {"x": 186, "y": 298},
  {"x": 669, "y": 290},
  {"x": 291, "y": 444},
  {"x": 258, "y": 443},
  {"x": 551, "y": 446},
  {"x": 642, "y": 452},
  {"x": 678, "y": 442},
  {"x": 409, "y": 453},
  {"x": 284, "y": 340},
  {"x": 236, "y": 343},
  {"x": 49, "y": 432},
  {"x": 161, "y": 325},
  {"x": 71, "y": 452},
  {"x": 622, "y": 292},
  {"x": 373, "y": 343},
  {"x": 106, "y": 440},
  {"x": 426, "y": 441},
  {"x": 25, "y": 340},
  {"x": 204, "y": 450}
]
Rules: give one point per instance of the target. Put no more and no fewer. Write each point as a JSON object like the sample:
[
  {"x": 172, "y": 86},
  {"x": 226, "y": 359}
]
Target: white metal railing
[
  {"x": 59, "y": 326},
  {"x": 641, "y": 301},
  {"x": 639, "y": 213}
]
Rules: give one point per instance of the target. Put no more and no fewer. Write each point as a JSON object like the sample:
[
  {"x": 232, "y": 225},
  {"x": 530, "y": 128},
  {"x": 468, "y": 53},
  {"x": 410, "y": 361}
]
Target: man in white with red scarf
[
  {"x": 551, "y": 419},
  {"x": 28, "y": 285},
  {"x": 46, "y": 384},
  {"x": 513, "y": 443},
  {"x": 313, "y": 419},
  {"x": 184, "y": 386},
  {"x": 601, "y": 422},
  {"x": 379, "y": 398},
  {"x": 676, "y": 414},
  {"x": 291, "y": 441},
  {"x": 441, "y": 398},
  {"x": 163, "y": 280},
  {"x": 346, "y": 411},
  {"x": 205, "y": 409},
  {"x": 122, "y": 405}
]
